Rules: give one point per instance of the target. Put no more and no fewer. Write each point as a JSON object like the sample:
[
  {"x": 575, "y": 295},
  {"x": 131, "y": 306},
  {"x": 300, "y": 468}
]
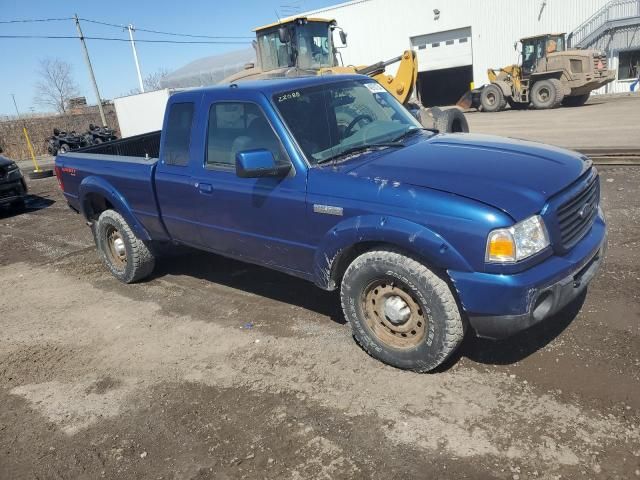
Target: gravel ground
[{"x": 218, "y": 369}]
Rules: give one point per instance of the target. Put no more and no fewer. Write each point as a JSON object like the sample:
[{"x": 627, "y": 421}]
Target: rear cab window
[{"x": 178, "y": 134}]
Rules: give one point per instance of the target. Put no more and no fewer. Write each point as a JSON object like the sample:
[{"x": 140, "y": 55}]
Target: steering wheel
[{"x": 354, "y": 122}]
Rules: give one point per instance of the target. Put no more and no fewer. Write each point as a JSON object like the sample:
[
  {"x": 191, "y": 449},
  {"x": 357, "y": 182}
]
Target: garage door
[{"x": 439, "y": 50}]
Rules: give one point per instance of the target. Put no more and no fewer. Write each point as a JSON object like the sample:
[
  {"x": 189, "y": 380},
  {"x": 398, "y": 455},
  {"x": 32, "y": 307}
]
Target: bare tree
[
  {"x": 151, "y": 82},
  {"x": 56, "y": 85}
]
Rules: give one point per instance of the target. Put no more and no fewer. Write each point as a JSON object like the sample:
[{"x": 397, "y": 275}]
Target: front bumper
[
  {"x": 12, "y": 191},
  {"x": 501, "y": 305}
]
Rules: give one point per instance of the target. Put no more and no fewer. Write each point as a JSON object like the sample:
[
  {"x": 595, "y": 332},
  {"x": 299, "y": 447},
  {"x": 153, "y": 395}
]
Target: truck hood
[
  {"x": 5, "y": 162},
  {"x": 515, "y": 176}
]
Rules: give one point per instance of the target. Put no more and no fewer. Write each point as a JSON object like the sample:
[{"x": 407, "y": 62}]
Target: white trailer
[{"x": 141, "y": 113}]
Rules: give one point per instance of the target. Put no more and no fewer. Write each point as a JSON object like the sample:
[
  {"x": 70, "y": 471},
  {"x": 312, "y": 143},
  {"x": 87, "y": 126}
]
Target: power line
[
  {"x": 113, "y": 39},
  {"x": 163, "y": 33},
  {"x": 34, "y": 20}
]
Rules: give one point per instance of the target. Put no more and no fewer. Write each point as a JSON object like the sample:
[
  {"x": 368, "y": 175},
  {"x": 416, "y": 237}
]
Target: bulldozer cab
[
  {"x": 302, "y": 42},
  {"x": 535, "y": 49}
]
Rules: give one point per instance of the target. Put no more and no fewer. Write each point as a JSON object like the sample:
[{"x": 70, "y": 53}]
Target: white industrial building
[{"x": 457, "y": 40}]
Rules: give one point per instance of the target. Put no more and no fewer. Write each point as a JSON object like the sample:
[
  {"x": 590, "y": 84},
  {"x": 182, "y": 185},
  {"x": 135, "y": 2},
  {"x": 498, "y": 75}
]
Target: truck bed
[{"x": 125, "y": 165}]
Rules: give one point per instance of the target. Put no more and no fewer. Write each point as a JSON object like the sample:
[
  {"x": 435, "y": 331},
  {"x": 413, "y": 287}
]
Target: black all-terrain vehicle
[
  {"x": 62, "y": 142},
  {"x": 96, "y": 134}
]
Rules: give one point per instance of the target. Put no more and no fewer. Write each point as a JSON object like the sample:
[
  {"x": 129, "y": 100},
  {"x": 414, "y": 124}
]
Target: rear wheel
[
  {"x": 400, "y": 312},
  {"x": 128, "y": 258},
  {"x": 547, "y": 94},
  {"x": 492, "y": 99},
  {"x": 576, "y": 100}
]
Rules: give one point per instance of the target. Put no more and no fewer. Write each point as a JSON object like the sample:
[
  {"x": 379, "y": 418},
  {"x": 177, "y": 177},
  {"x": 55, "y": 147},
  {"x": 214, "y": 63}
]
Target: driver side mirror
[
  {"x": 259, "y": 163},
  {"x": 283, "y": 34},
  {"x": 343, "y": 37}
]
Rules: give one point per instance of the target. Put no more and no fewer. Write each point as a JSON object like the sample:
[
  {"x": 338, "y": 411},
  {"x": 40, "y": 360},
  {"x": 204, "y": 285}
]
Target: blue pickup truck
[{"x": 330, "y": 179}]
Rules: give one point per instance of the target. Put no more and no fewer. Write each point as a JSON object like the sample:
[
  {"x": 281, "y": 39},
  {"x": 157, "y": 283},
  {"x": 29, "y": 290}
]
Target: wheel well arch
[
  {"x": 346, "y": 256},
  {"x": 94, "y": 204}
]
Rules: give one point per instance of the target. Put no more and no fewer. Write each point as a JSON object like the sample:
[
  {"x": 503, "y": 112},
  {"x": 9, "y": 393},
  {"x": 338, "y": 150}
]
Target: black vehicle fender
[
  {"x": 95, "y": 186},
  {"x": 356, "y": 234}
]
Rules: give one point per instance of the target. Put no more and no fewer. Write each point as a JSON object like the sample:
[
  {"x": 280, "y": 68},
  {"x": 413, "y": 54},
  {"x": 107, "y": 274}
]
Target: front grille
[
  {"x": 576, "y": 216},
  {"x": 597, "y": 60},
  {"x": 8, "y": 193}
]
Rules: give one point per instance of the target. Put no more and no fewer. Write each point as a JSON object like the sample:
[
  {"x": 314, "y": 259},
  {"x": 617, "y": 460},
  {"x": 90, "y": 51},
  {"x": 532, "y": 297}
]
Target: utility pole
[
  {"x": 93, "y": 78},
  {"x": 135, "y": 56}
]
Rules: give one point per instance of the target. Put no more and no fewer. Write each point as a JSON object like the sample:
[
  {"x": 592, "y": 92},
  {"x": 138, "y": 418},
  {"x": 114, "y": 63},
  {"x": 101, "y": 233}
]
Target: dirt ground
[
  {"x": 217, "y": 369},
  {"x": 606, "y": 120}
]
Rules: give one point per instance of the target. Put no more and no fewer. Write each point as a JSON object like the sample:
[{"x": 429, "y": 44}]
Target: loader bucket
[{"x": 465, "y": 101}]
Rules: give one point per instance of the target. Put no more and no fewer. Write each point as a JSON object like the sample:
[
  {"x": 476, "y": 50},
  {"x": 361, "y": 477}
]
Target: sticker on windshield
[
  {"x": 375, "y": 87},
  {"x": 288, "y": 96}
]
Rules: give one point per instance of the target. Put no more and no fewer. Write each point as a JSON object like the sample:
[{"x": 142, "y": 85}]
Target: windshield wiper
[
  {"x": 361, "y": 148},
  {"x": 411, "y": 131}
]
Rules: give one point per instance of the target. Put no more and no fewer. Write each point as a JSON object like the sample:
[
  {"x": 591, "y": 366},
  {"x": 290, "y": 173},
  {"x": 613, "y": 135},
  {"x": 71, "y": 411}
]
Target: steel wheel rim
[
  {"x": 117, "y": 251},
  {"x": 543, "y": 94},
  {"x": 385, "y": 298},
  {"x": 491, "y": 98}
]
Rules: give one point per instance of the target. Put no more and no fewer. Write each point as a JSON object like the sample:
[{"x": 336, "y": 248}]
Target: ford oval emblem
[{"x": 585, "y": 210}]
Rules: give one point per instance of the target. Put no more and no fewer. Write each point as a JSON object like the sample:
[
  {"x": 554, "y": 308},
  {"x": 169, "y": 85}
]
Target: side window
[
  {"x": 178, "y": 135},
  {"x": 235, "y": 127}
]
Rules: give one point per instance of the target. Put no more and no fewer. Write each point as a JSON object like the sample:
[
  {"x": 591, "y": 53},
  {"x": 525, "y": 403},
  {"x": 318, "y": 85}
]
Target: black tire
[
  {"x": 492, "y": 99},
  {"x": 517, "y": 105},
  {"x": 131, "y": 259},
  {"x": 40, "y": 174},
  {"x": 385, "y": 274},
  {"x": 97, "y": 141},
  {"x": 64, "y": 148},
  {"x": 451, "y": 120},
  {"x": 576, "y": 100},
  {"x": 546, "y": 94}
]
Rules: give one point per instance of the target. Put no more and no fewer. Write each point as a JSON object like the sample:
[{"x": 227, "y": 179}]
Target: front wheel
[
  {"x": 400, "y": 312},
  {"x": 128, "y": 258},
  {"x": 492, "y": 99}
]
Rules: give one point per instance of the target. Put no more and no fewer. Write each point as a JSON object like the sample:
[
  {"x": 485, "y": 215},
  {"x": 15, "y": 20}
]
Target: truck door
[
  {"x": 174, "y": 183},
  {"x": 257, "y": 219}
]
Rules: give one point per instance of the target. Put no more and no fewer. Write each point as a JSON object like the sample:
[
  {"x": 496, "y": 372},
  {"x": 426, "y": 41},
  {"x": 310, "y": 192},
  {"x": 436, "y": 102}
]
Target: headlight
[
  {"x": 13, "y": 167},
  {"x": 526, "y": 238}
]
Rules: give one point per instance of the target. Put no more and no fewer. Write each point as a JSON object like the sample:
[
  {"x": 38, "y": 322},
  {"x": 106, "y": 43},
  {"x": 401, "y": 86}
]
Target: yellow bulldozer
[{"x": 299, "y": 46}]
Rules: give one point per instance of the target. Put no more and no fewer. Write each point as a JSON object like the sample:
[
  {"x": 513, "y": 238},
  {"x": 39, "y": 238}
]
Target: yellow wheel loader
[
  {"x": 548, "y": 76},
  {"x": 299, "y": 46}
]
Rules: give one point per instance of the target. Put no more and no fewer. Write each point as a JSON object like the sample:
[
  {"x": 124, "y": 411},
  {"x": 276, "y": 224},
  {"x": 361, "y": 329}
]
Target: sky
[{"x": 113, "y": 62}]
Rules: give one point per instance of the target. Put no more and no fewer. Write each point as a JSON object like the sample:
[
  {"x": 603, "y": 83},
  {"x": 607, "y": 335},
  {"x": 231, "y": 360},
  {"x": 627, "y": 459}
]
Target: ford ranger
[{"x": 330, "y": 179}]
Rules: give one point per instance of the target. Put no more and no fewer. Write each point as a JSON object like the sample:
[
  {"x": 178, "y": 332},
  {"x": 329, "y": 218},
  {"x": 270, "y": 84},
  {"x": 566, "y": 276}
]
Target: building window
[
  {"x": 629, "y": 65},
  {"x": 422, "y": 47},
  {"x": 434, "y": 45},
  {"x": 463, "y": 40},
  {"x": 449, "y": 42}
]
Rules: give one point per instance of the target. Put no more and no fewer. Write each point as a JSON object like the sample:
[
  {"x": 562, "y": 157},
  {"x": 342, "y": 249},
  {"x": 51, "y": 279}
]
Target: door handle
[{"x": 205, "y": 188}]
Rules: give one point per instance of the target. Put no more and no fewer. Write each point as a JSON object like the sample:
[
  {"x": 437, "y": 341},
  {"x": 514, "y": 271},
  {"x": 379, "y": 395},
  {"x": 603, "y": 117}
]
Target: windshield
[
  {"x": 330, "y": 119},
  {"x": 313, "y": 45}
]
